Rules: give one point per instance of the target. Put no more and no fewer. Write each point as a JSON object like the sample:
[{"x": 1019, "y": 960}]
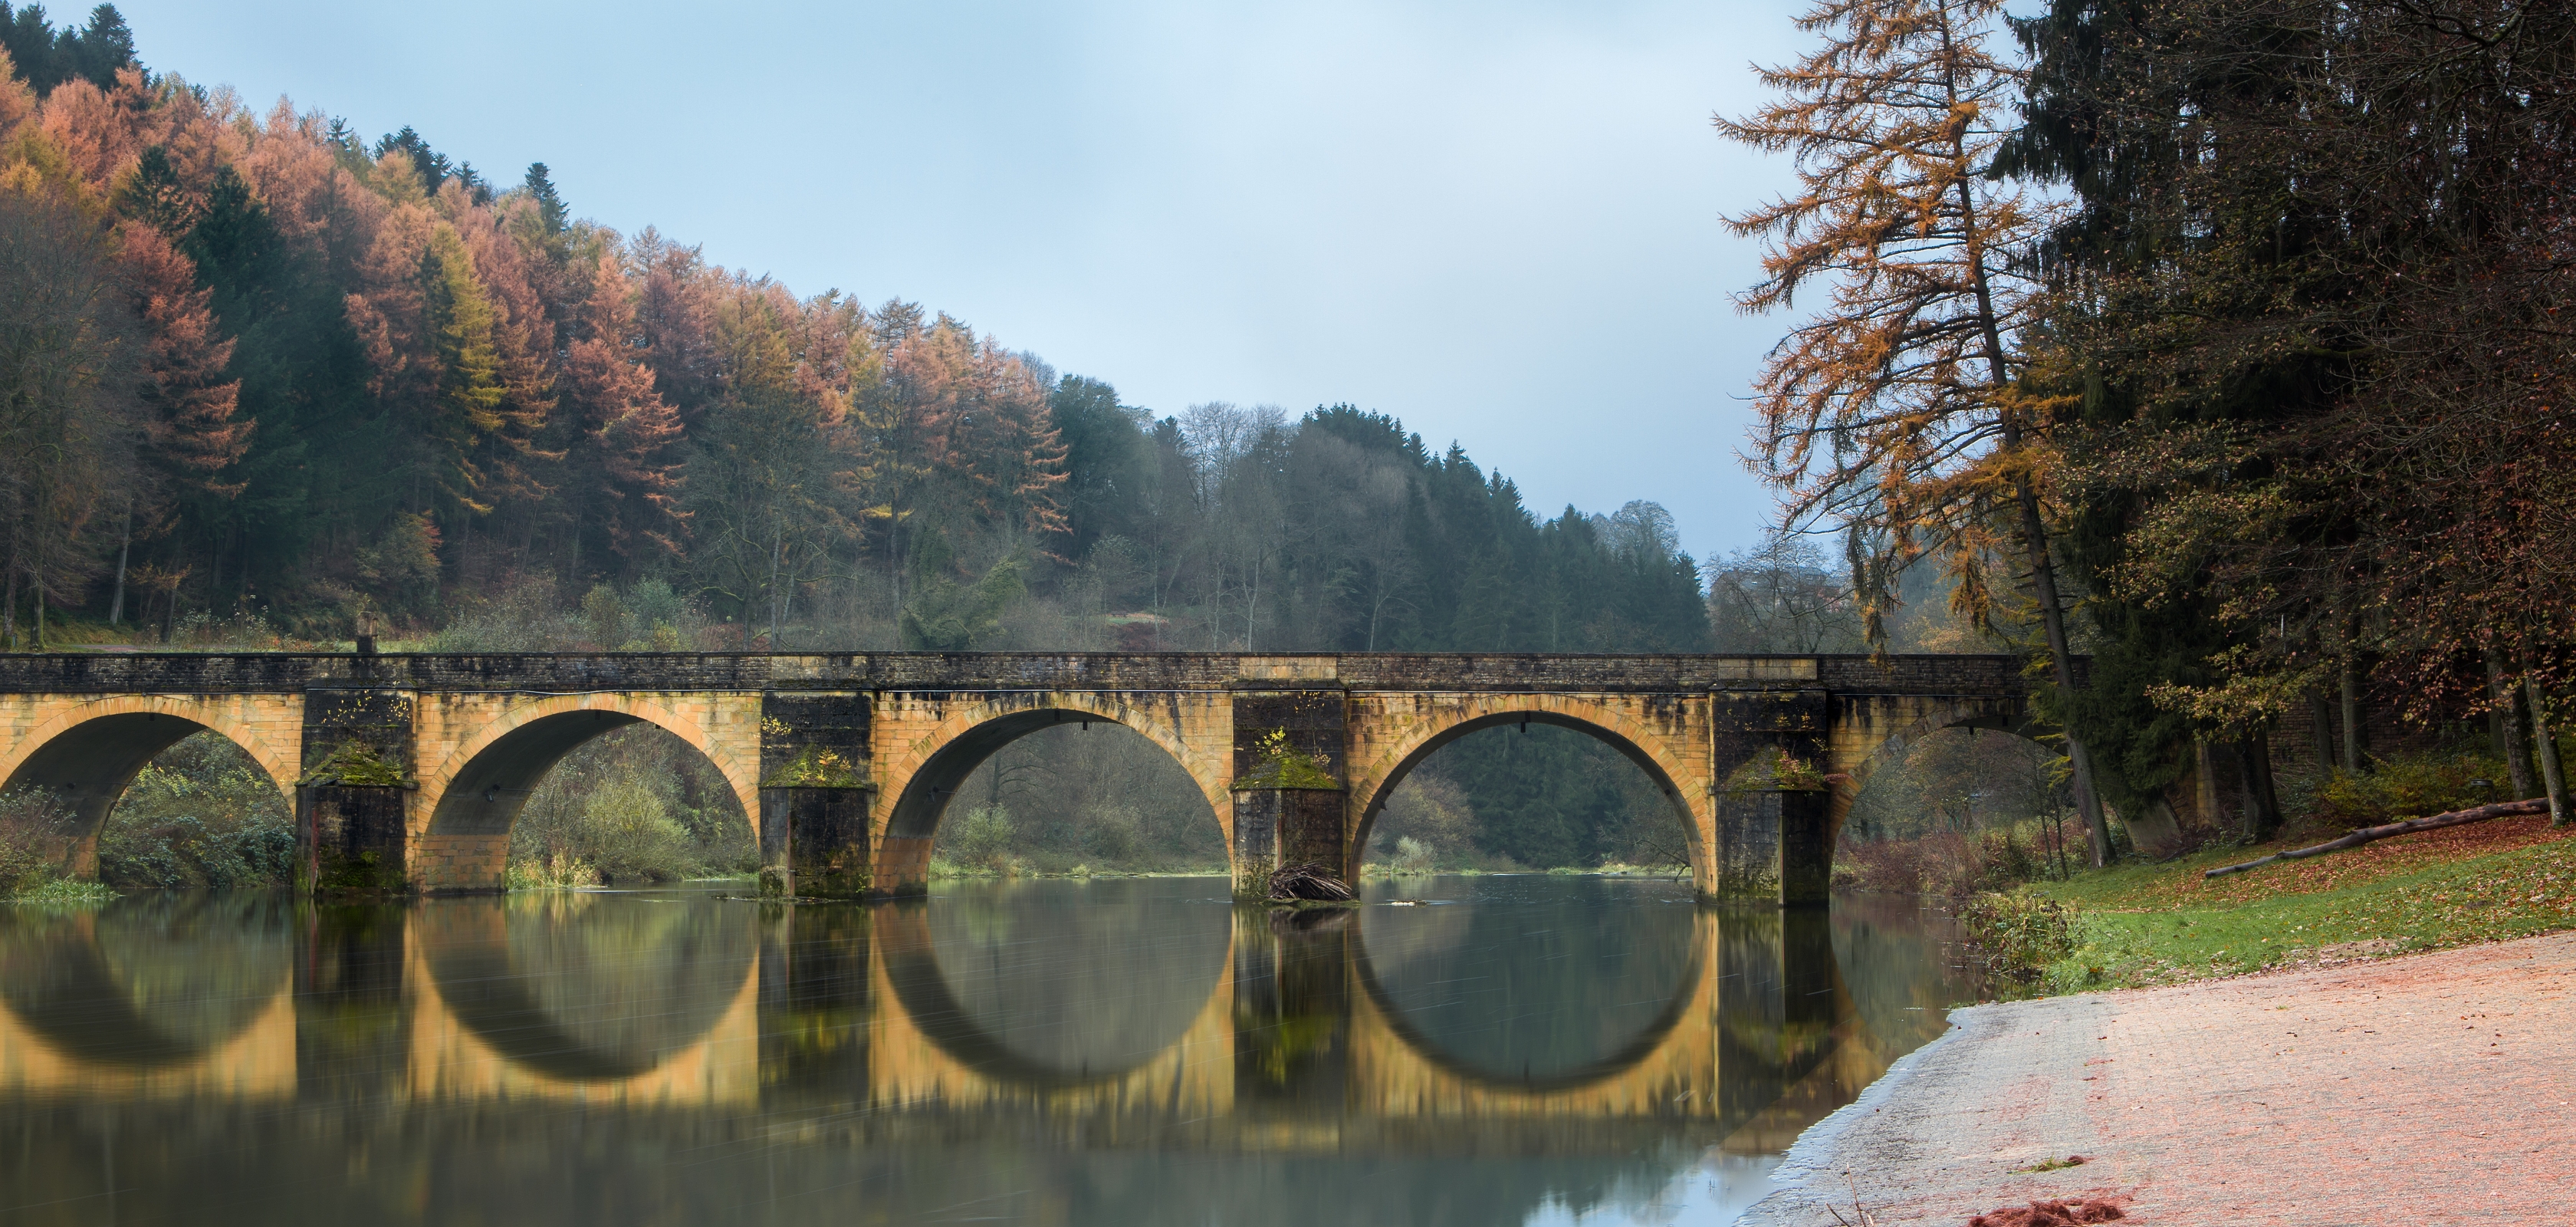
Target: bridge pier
[
  {"x": 815, "y": 791},
  {"x": 1771, "y": 847},
  {"x": 1291, "y": 805},
  {"x": 352, "y": 804},
  {"x": 1774, "y": 840}
]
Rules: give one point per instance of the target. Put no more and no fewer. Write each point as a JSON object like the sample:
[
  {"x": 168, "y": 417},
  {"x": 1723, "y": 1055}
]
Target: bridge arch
[
  {"x": 1883, "y": 730},
  {"x": 470, "y": 799},
  {"x": 1449, "y": 718},
  {"x": 89, "y": 753},
  {"x": 916, "y": 782}
]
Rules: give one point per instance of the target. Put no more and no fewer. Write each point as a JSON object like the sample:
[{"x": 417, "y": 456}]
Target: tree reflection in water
[{"x": 1130, "y": 1052}]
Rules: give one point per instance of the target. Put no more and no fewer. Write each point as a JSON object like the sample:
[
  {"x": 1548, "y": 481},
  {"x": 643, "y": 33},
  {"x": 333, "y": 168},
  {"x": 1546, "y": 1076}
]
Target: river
[{"x": 1458, "y": 1050}]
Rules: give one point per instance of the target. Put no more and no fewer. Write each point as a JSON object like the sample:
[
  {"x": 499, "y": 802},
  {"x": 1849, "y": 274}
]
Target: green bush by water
[
  {"x": 202, "y": 816},
  {"x": 634, "y": 804},
  {"x": 31, "y": 830},
  {"x": 2014, "y": 938},
  {"x": 982, "y": 840}
]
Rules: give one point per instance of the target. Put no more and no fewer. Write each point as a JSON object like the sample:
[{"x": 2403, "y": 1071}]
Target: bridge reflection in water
[{"x": 1143, "y": 1017}]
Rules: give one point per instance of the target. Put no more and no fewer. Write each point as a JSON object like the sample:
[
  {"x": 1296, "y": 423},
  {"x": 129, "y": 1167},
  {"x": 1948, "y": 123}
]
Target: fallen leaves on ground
[{"x": 2050, "y": 1214}]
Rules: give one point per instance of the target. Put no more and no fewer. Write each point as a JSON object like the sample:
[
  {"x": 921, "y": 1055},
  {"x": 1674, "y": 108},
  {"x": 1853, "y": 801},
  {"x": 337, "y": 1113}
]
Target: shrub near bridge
[
  {"x": 1954, "y": 864},
  {"x": 2012, "y": 939},
  {"x": 30, "y": 824},
  {"x": 202, "y": 816},
  {"x": 634, "y": 804}
]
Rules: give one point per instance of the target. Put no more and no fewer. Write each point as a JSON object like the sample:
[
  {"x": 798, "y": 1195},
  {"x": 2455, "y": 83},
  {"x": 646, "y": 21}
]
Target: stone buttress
[
  {"x": 1290, "y": 800},
  {"x": 352, "y": 802},
  {"x": 815, "y": 790}
]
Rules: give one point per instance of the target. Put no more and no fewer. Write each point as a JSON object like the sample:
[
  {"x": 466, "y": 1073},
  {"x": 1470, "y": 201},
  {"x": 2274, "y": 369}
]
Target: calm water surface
[{"x": 1137, "y": 1052}]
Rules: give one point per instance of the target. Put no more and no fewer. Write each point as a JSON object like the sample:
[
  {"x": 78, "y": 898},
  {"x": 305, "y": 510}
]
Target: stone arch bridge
[{"x": 408, "y": 771}]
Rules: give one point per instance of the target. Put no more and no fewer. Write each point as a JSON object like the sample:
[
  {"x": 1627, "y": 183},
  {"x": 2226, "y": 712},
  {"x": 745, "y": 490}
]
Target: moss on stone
[
  {"x": 1284, "y": 766},
  {"x": 1776, "y": 770},
  {"x": 364, "y": 876},
  {"x": 355, "y": 764}
]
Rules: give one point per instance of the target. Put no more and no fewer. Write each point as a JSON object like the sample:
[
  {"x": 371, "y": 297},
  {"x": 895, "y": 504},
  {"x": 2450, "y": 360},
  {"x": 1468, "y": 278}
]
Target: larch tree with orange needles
[{"x": 1893, "y": 413}]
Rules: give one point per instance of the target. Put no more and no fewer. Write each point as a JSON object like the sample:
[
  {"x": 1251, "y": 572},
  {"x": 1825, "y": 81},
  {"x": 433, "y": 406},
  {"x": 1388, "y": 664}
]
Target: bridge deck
[{"x": 272, "y": 672}]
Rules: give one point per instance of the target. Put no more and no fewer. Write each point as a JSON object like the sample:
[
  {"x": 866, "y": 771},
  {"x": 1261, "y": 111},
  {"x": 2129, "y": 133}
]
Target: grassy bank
[{"x": 2139, "y": 925}]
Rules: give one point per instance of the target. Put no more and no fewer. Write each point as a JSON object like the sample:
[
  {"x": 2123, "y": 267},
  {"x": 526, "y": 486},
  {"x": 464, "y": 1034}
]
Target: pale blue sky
[{"x": 1497, "y": 221}]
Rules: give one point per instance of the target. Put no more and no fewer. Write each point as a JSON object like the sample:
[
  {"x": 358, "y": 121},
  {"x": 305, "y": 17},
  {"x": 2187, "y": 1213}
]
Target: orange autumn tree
[
  {"x": 1893, "y": 413},
  {"x": 189, "y": 424},
  {"x": 627, "y": 480}
]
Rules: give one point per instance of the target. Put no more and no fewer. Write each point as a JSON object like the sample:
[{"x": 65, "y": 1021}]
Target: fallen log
[{"x": 2457, "y": 817}]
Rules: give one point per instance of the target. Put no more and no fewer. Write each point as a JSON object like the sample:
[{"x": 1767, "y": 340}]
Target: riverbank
[
  {"x": 2425, "y": 1089},
  {"x": 2144, "y": 925}
]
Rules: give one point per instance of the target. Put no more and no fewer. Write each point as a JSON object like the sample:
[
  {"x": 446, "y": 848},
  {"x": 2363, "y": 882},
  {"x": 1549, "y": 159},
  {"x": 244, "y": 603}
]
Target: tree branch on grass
[{"x": 2462, "y": 817}]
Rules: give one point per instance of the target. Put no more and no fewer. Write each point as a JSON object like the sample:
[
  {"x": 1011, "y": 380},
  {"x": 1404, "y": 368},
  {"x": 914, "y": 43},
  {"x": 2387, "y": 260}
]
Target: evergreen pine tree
[
  {"x": 432, "y": 165},
  {"x": 99, "y": 49},
  {"x": 29, "y": 39},
  {"x": 540, "y": 186}
]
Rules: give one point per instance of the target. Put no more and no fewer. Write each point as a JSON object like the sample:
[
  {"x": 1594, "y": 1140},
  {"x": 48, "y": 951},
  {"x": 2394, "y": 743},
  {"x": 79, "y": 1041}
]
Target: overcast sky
[{"x": 1495, "y": 220}]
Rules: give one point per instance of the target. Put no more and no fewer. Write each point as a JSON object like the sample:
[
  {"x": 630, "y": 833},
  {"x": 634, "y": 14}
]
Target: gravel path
[{"x": 2427, "y": 1089}]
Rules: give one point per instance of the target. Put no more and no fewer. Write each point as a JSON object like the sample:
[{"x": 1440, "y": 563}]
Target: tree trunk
[
  {"x": 2052, "y": 617},
  {"x": 9, "y": 606},
  {"x": 2262, "y": 816},
  {"x": 774, "y": 549},
  {"x": 2517, "y": 746},
  {"x": 125, "y": 547},
  {"x": 2323, "y": 714},
  {"x": 2351, "y": 685},
  {"x": 2498, "y": 742},
  {"x": 2483, "y": 813},
  {"x": 2555, "y": 779},
  {"x": 2267, "y": 798}
]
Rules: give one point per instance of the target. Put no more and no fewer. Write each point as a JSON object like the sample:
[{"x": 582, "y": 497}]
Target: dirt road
[{"x": 2428, "y": 1089}]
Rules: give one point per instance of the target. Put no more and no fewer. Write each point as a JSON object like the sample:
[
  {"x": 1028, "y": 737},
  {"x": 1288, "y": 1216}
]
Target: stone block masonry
[{"x": 408, "y": 771}]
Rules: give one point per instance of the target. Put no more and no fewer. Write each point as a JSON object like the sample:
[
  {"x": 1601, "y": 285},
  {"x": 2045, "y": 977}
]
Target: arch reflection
[
  {"x": 1338, "y": 1016},
  {"x": 156, "y": 993},
  {"x": 1006, "y": 981},
  {"x": 582, "y": 988},
  {"x": 1125, "y": 1010},
  {"x": 1472, "y": 988}
]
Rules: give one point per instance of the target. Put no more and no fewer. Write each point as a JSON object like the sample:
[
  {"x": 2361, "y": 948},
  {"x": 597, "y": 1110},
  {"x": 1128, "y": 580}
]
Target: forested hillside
[{"x": 284, "y": 377}]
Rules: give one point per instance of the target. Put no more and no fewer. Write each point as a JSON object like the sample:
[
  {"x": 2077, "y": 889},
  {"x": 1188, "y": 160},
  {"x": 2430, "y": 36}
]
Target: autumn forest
[{"x": 2211, "y": 347}]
